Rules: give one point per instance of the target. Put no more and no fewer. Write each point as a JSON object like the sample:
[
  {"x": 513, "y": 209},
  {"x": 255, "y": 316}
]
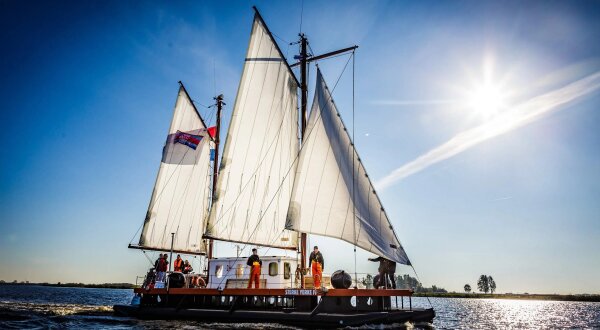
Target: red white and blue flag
[{"x": 187, "y": 139}]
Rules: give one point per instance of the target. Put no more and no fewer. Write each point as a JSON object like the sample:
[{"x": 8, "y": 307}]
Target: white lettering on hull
[{"x": 300, "y": 292}]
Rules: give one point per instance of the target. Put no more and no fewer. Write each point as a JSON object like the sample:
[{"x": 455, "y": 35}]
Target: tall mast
[
  {"x": 220, "y": 104},
  {"x": 303, "y": 87},
  {"x": 304, "y": 61},
  {"x": 303, "y": 105}
]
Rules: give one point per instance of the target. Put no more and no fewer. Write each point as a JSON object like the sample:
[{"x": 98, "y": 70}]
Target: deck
[{"x": 279, "y": 292}]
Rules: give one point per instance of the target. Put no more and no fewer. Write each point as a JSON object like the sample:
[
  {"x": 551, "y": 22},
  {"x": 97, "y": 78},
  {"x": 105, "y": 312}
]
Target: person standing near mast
[
  {"x": 255, "y": 264},
  {"x": 317, "y": 264}
]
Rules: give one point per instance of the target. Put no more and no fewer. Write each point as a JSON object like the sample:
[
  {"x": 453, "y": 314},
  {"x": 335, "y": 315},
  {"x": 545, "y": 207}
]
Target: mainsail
[
  {"x": 257, "y": 168},
  {"x": 328, "y": 169},
  {"x": 181, "y": 195}
]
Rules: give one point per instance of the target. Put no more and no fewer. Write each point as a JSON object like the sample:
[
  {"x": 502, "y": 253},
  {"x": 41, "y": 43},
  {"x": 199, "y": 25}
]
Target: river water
[{"x": 32, "y": 307}]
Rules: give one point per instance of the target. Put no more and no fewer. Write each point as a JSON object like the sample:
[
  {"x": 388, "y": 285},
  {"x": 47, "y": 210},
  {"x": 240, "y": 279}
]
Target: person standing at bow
[
  {"x": 255, "y": 264},
  {"x": 178, "y": 264},
  {"x": 317, "y": 264},
  {"x": 387, "y": 270}
]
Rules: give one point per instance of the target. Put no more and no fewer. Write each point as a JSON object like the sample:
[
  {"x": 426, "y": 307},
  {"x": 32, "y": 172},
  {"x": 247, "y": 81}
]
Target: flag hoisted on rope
[{"x": 189, "y": 140}]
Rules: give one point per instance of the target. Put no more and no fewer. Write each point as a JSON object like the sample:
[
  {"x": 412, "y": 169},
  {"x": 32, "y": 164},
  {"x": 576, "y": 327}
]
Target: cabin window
[
  {"x": 239, "y": 271},
  {"x": 287, "y": 269},
  {"x": 219, "y": 271},
  {"x": 273, "y": 268}
]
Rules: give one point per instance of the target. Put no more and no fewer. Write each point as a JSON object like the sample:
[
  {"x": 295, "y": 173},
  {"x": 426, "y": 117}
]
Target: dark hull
[{"x": 302, "y": 319}]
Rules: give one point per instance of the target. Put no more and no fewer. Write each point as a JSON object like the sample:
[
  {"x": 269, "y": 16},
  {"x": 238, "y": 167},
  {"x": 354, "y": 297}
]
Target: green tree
[
  {"x": 483, "y": 284},
  {"x": 467, "y": 288},
  {"x": 491, "y": 284}
]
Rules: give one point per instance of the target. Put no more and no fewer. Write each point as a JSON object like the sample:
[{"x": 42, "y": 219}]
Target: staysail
[
  {"x": 329, "y": 167},
  {"x": 257, "y": 168},
  {"x": 181, "y": 195}
]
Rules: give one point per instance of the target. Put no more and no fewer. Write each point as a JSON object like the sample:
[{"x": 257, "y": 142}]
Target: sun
[{"x": 486, "y": 100}]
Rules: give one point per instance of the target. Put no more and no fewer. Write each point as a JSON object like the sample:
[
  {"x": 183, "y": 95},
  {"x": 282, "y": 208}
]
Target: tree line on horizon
[
  {"x": 485, "y": 284},
  {"x": 407, "y": 282}
]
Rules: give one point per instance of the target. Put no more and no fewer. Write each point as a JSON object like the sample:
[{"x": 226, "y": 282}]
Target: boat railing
[
  {"x": 277, "y": 290},
  {"x": 240, "y": 280}
]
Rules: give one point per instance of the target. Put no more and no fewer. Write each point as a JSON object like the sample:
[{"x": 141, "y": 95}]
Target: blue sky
[{"x": 88, "y": 90}]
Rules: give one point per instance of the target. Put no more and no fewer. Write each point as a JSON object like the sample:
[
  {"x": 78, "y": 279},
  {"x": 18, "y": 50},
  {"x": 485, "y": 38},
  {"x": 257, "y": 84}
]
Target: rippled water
[{"x": 28, "y": 307}]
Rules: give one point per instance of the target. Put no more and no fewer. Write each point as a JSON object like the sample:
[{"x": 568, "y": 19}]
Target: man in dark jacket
[
  {"x": 255, "y": 264},
  {"x": 161, "y": 269},
  {"x": 387, "y": 269},
  {"x": 317, "y": 264}
]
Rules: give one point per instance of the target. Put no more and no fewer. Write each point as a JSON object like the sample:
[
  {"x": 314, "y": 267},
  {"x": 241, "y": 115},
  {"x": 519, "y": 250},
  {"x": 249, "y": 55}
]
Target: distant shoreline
[
  {"x": 79, "y": 285},
  {"x": 520, "y": 296}
]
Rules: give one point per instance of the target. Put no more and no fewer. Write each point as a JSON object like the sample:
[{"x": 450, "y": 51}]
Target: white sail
[
  {"x": 181, "y": 195},
  {"x": 256, "y": 172},
  {"x": 329, "y": 167}
]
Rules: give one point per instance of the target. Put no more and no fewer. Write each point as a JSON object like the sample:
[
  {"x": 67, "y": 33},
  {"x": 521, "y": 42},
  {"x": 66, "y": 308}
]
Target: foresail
[
  {"x": 322, "y": 201},
  {"x": 181, "y": 195},
  {"x": 257, "y": 168}
]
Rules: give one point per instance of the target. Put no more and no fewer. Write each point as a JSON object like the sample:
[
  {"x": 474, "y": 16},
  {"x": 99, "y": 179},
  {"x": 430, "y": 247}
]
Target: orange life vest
[{"x": 178, "y": 264}]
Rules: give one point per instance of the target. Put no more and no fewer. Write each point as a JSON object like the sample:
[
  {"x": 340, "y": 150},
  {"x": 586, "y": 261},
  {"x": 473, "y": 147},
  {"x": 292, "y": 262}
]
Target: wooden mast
[
  {"x": 219, "y": 104},
  {"x": 303, "y": 103}
]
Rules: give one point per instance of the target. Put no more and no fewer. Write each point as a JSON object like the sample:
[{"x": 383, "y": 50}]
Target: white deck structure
[{"x": 277, "y": 272}]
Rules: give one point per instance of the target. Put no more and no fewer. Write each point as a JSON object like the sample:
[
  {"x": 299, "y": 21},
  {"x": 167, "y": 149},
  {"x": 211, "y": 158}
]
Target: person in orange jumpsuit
[
  {"x": 317, "y": 264},
  {"x": 178, "y": 264},
  {"x": 255, "y": 264}
]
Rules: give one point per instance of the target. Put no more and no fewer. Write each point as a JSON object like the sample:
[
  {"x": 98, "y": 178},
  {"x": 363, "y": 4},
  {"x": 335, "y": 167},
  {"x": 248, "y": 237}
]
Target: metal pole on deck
[{"x": 171, "y": 256}]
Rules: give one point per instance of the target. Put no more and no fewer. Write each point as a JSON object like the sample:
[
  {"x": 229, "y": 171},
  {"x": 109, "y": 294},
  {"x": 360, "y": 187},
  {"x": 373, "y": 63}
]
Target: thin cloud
[
  {"x": 522, "y": 114},
  {"x": 411, "y": 102}
]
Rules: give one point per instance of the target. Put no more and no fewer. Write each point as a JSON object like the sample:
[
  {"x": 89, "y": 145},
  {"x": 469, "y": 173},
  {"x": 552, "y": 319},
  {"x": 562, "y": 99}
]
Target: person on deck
[
  {"x": 387, "y": 269},
  {"x": 161, "y": 269},
  {"x": 178, "y": 264},
  {"x": 317, "y": 264},
  {"x": 255, "y": 264},
  {"x": 187, "y": 268},
  {"x": 157, "y": 261},
  {"x": 165, "y": 258}
]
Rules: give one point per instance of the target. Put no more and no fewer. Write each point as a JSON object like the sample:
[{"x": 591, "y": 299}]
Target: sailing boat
[{"x": 277, "y": 181}]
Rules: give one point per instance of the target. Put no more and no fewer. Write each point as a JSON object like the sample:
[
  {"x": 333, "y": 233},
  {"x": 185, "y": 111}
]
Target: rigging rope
[
  {"x": 149, "y": 260},
  {"x": 354, "y": 174},
  {"x": 418, "y": 279},
  {"x": 301, "y": 14}
]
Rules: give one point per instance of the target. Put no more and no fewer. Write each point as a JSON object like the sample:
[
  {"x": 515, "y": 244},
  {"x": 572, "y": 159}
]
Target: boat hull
[{"x": 302, "y": 319}]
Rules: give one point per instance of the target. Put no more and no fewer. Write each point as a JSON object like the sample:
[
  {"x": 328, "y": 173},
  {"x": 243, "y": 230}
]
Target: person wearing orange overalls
[
  {"x": 178, "y": 264},
  {"x": 317, "y": 264},
  {"x": 255, "y": 264}
]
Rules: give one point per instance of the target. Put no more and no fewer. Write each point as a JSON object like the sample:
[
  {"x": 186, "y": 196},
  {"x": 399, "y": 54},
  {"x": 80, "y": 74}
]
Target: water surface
[{"x": 30, "y": 306}]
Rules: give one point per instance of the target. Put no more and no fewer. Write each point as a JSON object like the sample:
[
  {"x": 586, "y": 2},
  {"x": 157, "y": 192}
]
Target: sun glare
[{"x": 486, "y": 100}]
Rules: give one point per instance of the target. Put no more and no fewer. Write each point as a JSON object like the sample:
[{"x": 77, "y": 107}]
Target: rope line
[
  {"x": 419, "y": 279},
  {"x": 354, "y": 174}
]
